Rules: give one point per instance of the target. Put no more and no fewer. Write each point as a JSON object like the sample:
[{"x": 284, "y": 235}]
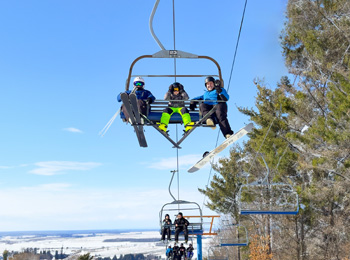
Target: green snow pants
[{"x": 167, "y": 113}]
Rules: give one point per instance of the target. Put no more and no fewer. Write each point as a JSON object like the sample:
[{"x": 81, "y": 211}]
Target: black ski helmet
[
  {"x": 176, "y": 86},
  {"x": 207, "y": 79}
]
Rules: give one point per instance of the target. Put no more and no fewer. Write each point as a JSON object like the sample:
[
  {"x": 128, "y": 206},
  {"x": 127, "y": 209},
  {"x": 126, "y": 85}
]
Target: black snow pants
[
  {"x": 221, "y": 115},
  {"x": 177, "y": 232},
  {"x": 166, "y": 231},
  {"x": 141, "y": 104}
]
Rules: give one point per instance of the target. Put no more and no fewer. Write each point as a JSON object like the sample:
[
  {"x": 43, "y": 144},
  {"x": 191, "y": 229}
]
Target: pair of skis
[{"x": 130, "y": 104}]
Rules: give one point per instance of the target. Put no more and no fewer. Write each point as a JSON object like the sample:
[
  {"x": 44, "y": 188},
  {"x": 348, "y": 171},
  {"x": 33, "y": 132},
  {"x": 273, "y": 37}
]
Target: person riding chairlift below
[
  {"x": 144, "y": 97},
  {"x": 169, "y": 252},
  {"x": 166, "y": 229},
  {"x": 176, "y": 92},
  {"x": 182, "y": 250},
  {"x": 181, "y": 224},
  {"x": 190, "y": 251},
  {"x": 176, "y": 252},
  {"x": 214, "y": 92}
]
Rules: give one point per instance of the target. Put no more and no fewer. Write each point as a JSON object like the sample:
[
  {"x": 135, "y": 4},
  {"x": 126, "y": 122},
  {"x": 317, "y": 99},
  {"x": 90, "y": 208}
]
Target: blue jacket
[
  {"x": 168, "y": 251},
  {"x": 140, "y": 94},
  {"x": 211, "y": 95}
]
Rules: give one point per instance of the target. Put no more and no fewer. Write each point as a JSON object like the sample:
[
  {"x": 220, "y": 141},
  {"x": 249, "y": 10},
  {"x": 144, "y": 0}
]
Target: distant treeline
[
  {"x": 34, "y": 253},
  {"x": 45, "y": 254}
]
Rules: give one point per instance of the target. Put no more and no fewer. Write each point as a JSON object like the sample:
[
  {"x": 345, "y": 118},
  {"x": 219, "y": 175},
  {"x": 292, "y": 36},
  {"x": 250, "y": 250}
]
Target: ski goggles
[
  {"x": 176, "y": 89},
  {"x": 139, "y": 83}
]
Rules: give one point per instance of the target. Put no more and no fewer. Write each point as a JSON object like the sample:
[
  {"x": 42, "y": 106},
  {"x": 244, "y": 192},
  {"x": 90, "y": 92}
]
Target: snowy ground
[{"x": 98, "y": 244}]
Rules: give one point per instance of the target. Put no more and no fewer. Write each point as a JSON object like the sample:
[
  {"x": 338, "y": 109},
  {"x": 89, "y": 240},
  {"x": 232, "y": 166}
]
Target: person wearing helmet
[
  {"x": 213, "y": 93},
  {"x": 176, "y": 92},
  {"x": 190, "y": 251},
  {"x": 181, "y": 224},
  {"x": 143, "y": 96},
  {"x": 166, "y": 227},
  {"x": 169, "y": 252}
]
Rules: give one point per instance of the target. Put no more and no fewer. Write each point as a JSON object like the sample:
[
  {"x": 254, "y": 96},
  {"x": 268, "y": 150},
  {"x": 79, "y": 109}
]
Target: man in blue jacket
[
  {"x": 143, "y": 96},
  {"x": 214, "y": 93}
]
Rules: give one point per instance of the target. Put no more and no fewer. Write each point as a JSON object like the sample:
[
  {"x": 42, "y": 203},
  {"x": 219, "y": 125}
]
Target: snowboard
[{"x": 208, "y": 156}]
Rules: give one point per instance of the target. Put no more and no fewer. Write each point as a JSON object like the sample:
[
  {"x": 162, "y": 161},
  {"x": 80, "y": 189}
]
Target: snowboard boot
[{"x": 210, "y": 122}]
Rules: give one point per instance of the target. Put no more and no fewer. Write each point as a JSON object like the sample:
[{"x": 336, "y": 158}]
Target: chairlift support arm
[{"x": 172, "y": 54}]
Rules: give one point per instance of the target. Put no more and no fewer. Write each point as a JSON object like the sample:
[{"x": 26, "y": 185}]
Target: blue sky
[{"x": 62, "y": 64}]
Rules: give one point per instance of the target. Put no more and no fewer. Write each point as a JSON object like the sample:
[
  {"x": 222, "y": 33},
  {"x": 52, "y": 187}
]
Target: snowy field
[{"x": 98, "y": 244}]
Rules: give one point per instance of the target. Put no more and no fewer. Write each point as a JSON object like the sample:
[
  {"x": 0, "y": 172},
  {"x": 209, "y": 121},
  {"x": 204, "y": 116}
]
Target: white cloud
[
  {"x": 170, "y": 162},
  {"x": 5, "y": 167},
  {"x": 73, "y": 130},
  {"x": 57, "y": 167}
]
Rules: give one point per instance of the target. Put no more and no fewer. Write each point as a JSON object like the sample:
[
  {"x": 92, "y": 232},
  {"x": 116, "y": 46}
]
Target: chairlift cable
[
  {"x": 228, "y": 87},
  {"x": 174, "y": 37},
  {"x": 177, "y": 167},
  {"x": 211, "y": 167},
  {"x": 177, "y": 149},
  {"x": 236, "y": 49}
]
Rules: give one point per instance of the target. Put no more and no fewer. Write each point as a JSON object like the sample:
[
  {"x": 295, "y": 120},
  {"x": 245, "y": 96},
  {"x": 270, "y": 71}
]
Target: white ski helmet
[{"x": 139, "y": 79}]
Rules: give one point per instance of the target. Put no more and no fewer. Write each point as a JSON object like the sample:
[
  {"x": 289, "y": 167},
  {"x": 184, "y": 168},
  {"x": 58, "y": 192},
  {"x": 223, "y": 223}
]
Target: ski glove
[
  {"x": 149, "y": 100},
  {"x": 217, "y": 83},
  {"x": 193, "y": 105},
  {"x": 218, "y": 89}
]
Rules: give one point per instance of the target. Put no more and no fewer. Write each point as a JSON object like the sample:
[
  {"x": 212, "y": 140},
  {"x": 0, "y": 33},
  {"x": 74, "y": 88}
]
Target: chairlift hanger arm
[
  {"x": 172, "y": 54},
  {"x": 151, "y": 25}
]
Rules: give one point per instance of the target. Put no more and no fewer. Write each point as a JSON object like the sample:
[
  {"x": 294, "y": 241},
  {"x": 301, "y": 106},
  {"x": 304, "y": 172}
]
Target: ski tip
[
  {"x": 192, "y": 169},
  {"x": 249, "y": 127}
]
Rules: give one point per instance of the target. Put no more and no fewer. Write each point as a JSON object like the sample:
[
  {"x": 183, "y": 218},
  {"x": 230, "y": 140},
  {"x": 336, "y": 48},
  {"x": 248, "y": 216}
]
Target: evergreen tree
[
  {"x": 5, "y": 254},
  {"x": 85, "y": 257}
]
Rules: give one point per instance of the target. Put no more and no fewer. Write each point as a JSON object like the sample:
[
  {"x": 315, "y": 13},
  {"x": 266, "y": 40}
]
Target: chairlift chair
[
  {"x": 262, "y": 197},
  {"x": 268, "y": 198},
  {"x": 234, "y": 235},
  {"x": 188, "y": 209}
]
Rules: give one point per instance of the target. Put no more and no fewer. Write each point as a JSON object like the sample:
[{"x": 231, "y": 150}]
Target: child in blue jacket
[{"x": 214, "y": 93}]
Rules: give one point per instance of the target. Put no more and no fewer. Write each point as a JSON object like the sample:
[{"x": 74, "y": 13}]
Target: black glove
[
  {"x": 217, "y": 83},
  {"x": 149, "y": 100},
  {"x": 193, "y": 106},
  {"x": 218, "y": 89}
]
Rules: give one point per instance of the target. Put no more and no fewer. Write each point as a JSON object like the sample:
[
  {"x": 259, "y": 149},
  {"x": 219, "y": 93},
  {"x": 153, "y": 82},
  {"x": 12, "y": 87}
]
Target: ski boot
[
  {"x": 162, "y": 127},
  {"x": 189, "y": 126}
]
